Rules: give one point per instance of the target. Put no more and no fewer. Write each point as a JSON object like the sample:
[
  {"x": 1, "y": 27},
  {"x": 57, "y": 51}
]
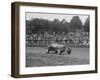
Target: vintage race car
[{"x": 56, "y": 48}]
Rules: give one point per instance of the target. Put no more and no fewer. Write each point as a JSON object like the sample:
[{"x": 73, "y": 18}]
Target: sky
[{"x": 51, "y": 17}]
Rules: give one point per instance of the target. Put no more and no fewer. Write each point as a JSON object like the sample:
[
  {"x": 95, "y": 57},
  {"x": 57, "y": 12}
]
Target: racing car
[{"x": 58, "y": 48}]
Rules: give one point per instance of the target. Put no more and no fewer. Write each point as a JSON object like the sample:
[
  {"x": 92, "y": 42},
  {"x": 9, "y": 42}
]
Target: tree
[
  {"x": 75, "y": 24},
  {"x": 86, "y": 25},
  {"x": 41, "y": 25}
]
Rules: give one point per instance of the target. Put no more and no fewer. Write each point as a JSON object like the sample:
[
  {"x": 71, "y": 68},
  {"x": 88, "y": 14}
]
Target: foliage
[
  {"x": 41, "y": 25},
  {"x": 86, "y": 25},
  {"x": 75, "y": 24}
]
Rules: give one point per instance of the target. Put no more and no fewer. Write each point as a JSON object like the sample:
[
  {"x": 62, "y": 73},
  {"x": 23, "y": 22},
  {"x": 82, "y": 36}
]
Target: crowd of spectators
[{"x": 67, "y": 38}]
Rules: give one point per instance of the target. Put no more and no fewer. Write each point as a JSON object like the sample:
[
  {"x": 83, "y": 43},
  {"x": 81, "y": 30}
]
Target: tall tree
[
  {"x": 86, "y": 25},
  {"x": 75, "y": 24}
]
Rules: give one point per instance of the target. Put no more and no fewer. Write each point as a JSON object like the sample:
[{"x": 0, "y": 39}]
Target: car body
[{"x": 56, "y": 48}]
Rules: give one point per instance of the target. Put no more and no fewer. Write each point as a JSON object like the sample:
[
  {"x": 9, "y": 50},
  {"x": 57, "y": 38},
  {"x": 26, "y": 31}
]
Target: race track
[{"x": 37, "y": 57}]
